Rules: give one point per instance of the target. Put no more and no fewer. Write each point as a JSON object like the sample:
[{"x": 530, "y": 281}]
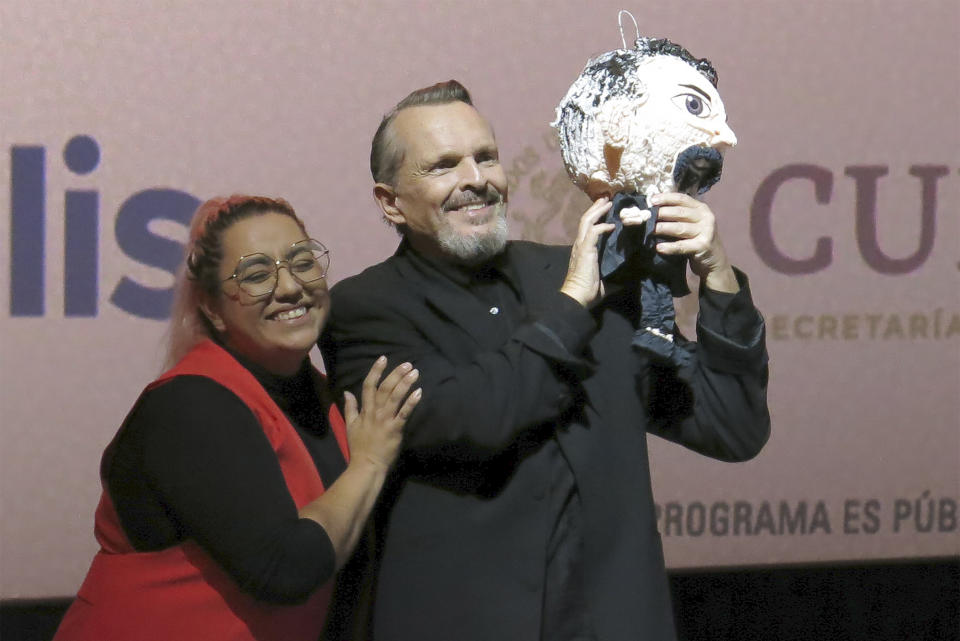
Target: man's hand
[
  {"x": 695, "y": 228},
  {"x": 583, "y": 276}
]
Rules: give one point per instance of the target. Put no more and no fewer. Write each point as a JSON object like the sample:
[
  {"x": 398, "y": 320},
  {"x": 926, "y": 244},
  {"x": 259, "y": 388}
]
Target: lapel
[
  {"x": 441, "y": 295},
  {"x": 540, "y": 273},
  {"x": 534, "y": 271},
  {"x": 529, "y": 270}
]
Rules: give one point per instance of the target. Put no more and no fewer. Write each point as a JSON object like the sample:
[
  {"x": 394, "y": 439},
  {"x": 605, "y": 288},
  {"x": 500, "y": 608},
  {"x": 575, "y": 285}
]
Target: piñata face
[{"x": 627, "y": 118}]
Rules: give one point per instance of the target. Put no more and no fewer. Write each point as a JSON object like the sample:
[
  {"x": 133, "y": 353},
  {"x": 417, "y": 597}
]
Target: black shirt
[
  {"x": 193, "y": 462},
  {"x": 564, "y": 614}
]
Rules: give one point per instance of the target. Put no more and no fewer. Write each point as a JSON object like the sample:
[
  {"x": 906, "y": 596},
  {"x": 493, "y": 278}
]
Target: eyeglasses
[{"x": 256, "y": 274}]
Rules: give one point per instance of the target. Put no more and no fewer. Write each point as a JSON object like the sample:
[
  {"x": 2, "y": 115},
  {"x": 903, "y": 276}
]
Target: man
[{"x": 521, "y": 507}]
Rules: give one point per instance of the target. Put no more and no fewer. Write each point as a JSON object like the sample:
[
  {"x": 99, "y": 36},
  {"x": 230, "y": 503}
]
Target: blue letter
[
  {"x": 81, "y": 233},
  {"x": 80, "y": 248},
  {"x": 137, "y": 242},
  {"x": 27, "y": 218}
]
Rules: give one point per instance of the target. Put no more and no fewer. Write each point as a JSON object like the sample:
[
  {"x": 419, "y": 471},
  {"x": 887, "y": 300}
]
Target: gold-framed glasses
[{"x": 256, "y": 274}]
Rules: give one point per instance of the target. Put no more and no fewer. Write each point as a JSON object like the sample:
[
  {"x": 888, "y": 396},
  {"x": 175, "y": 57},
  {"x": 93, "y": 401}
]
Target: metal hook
[{"x": 620, "y": 22}]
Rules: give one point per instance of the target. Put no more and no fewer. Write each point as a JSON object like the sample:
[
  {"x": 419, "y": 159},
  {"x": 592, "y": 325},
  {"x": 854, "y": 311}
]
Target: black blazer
[{"x": 461, "y": 528}]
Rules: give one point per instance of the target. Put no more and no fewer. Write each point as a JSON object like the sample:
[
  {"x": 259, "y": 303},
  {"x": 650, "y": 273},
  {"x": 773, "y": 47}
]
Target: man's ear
[
  {"x": 386, "y": 197},
  {"x": 209, "y": 309}
]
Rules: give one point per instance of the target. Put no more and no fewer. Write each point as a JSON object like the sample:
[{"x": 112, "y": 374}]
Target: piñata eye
[{"x": 693, "y": 103}]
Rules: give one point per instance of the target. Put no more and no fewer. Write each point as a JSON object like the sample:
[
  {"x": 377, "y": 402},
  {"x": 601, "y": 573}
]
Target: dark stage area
[{"x": 890, "y": 601}]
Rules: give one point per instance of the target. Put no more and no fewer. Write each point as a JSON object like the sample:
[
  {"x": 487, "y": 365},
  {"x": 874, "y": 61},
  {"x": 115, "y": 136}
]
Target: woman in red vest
[{"x": 234, "y": 489}]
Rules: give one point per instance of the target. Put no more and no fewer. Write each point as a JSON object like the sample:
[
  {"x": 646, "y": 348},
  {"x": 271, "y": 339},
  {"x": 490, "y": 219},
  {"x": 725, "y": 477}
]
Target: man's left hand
[{"x": 694, "y": 227}]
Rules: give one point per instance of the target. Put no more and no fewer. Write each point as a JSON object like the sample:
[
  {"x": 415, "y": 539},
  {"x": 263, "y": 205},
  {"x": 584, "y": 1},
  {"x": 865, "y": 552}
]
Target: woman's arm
[
  {"x": 192, "y": 462},
  {"x": 374, "y": 432}
]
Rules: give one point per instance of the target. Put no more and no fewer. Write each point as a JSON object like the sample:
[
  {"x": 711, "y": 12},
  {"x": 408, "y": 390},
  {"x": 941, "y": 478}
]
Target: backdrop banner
[{"x": 840, "y": 202}]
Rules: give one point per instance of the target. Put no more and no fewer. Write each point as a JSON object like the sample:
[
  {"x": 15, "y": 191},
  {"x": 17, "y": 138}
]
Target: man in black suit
[{"x": 521, "y": 507}]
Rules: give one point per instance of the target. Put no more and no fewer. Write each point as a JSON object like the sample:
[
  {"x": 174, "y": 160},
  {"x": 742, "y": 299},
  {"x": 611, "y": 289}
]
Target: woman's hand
[
  {"x": 375, "y": 429},
  {"x": 374, "y": 432}
]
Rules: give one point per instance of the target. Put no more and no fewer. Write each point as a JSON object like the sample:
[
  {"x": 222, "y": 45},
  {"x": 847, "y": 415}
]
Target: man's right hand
[{"x": 583, "y": 276}]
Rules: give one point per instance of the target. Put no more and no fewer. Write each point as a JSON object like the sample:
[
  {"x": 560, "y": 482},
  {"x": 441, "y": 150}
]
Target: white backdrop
[{"x": 841, "y": 107}]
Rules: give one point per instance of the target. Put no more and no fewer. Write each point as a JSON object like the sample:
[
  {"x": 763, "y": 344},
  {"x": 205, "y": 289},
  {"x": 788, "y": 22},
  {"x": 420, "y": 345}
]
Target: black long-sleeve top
[
  {"x": 564, "y": 604},
  {"x": 193, "y": 462},
  {"x": 476, "y": 463}
]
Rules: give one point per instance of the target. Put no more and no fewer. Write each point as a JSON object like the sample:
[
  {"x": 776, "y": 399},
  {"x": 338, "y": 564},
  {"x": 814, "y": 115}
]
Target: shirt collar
[
  {"x": 277, "y": 386},
  {"x": 466, "y": 276}
]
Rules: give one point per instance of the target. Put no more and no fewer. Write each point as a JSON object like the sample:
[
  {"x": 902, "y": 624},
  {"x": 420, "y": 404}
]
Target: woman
[{"x": 214, "y": 521}]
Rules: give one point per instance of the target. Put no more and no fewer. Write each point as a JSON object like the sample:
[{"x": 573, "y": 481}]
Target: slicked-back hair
[
  {"x": 385, "y": 156},
  {"x": 664, "y": 47}
]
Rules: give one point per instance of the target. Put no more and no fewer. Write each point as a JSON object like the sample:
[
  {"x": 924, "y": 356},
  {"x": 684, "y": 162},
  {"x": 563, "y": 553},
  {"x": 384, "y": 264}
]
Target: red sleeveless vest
[{"x": 180, "y": 593}]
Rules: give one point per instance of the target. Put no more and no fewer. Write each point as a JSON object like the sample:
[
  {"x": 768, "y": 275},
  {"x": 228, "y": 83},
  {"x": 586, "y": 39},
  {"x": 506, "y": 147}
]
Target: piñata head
[{"x": 645, "y": 120}]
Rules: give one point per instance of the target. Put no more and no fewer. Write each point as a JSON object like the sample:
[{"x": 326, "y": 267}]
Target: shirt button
[{"x": 494, "y": 310}]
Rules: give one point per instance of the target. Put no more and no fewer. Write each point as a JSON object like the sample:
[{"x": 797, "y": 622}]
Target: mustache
[
  {"x": 697, "y": 169},
  {"x": 489, "y": 196}
]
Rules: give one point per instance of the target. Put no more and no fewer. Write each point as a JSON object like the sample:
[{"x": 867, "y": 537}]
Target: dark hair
[
  {"x": 664, "y": 47},
  {"x": 200, "y": 274},
  {"x": 385, "y": 157}
]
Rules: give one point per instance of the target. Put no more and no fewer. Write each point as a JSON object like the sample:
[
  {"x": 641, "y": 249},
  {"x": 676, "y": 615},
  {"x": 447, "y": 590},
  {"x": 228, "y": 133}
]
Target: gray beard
[{"x": 472, "y": 249}]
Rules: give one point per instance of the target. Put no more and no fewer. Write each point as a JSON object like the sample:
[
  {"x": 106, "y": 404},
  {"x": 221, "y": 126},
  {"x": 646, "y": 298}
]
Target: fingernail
[
  {"x": 414, "y": 374},
  {"x": 417, "y": 393},
  {"x": 406, "y": 366},
  {"x": 381, "y": 360}
]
